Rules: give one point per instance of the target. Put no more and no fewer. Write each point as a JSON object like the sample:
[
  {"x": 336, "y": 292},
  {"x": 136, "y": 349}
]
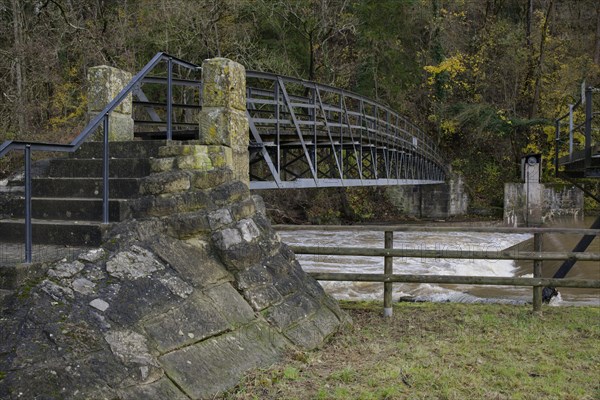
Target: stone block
[
  {"x": 120, "y": 128},
  {"x": 212, "y": 178},
  {"x": 248, "y": 229},
  {"x": 224, "y": 84},
  {"x": 171, "y": 204},
  {"x": 311, "y": 332},
  {"x": 133, "y": 264},
  {"x": 196, "y": 319},
  {"x": 129, "y": 347},
  {"x": 136, "y": 300},
  {"x": 229, "y": 193},
  {"x": 224, "y": 127},
  {"x": 174, "y": 150},
  {"x": 292, "y": 310},
  {"x": 256, "y": 275},
  {"x": 193, "y": 263},
  {"x": 162, "y": 164},
  {"x": 104, "y": 84},
  {"x": 259, "y": 204},
  {"x": 230, "y": 304},
  {"x": 207, "y": 368},
  {"x": 186, "y": 225},
  {"x": 241, "y": 256},
  {"x": 220, "y": 156},
  {"x": 243, "y": 209},
  {"x": 166, "y": 182},
  {"x": 305, "y": 335},
  {"x": 219, "y": 218},
  {"x": 241, "y": 167},
  {"x": 198, "y": 161},
  {"x": 262, "y": 297}
]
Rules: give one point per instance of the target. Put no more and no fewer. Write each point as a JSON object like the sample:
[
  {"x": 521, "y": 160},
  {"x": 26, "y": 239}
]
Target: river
[{"x": 446, "y": 241}]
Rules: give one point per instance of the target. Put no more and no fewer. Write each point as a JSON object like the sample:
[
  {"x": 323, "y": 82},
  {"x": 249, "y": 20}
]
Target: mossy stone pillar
[
  {"x": 104, "y": 84},
  {"x": 223, "y": 120}
]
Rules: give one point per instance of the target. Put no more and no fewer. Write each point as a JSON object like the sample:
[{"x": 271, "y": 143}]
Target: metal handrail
[
  {"x": 584, "y": 102},
  {"x": 101, "y": 117},
  {"x": 425, "y": 143}
]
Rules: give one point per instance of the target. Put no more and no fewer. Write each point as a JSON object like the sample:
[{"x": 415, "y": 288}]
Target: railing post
[
  {"x": 388, "y": 266},
  {"x": 28, "y": 227},
  {"x": 557, "y": 146},
  {"x": 277, "y": 127},
  {"x": 169, "y": 99},
  {"x": 105, "y": 170},
  {"x": 588, "y": 127},
  {"x": 537, "y": 273},
  {"x": 570, "y": 132}
]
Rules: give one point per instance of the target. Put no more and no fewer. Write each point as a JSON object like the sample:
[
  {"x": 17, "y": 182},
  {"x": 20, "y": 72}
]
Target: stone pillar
[
  {"x": 223, "y": 120},
  {"x": 104, "y": 84}
]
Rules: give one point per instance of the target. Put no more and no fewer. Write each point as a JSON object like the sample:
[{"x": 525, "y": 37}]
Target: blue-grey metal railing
[
  {"x": 325, "y": 120},
  {"x": 578, "y": 120},
  {"x": 101, "y": 118}
]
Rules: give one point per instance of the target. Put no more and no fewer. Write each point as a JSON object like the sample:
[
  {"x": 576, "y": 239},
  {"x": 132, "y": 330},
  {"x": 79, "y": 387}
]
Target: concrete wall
[
  {"x": 536, "y": 204},
  {"x": 431, "y": 201}
]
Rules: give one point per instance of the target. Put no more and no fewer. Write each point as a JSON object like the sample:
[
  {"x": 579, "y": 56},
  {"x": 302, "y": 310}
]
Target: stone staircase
[{"x": 67, "y": 202}]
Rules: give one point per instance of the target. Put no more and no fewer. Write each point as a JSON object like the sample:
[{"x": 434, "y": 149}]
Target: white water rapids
[{"x": 406, "y": 265}]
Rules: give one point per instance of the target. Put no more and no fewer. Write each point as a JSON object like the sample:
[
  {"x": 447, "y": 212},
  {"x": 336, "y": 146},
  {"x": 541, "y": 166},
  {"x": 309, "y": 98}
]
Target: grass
[{"x": 444, "y": 351}]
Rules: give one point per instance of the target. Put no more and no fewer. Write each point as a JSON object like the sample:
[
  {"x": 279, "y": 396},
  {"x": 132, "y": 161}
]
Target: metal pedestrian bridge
[
  {"x": 302, "y": 134},
  {"x": 305, "y": 134}
]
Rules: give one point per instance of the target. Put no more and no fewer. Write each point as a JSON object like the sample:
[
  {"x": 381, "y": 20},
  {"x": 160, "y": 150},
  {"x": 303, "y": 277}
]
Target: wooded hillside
[{"x": 484, "y": 78}]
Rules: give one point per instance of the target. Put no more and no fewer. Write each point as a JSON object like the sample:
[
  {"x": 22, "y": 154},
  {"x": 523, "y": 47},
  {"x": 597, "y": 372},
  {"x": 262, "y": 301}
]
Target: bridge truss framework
[{"x": 305, "y": 134}]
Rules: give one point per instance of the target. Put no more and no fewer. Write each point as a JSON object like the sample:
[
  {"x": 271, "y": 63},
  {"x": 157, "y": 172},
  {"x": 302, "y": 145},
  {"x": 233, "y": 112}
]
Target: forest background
[{"x": 485, "y": 78}]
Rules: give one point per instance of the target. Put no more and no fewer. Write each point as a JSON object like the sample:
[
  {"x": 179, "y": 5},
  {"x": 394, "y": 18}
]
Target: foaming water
[{"x": 440, "y": 241}]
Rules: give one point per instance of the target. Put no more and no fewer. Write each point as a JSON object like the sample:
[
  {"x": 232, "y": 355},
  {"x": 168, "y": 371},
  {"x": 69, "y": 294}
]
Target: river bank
[{"x": 444, "y": 351}]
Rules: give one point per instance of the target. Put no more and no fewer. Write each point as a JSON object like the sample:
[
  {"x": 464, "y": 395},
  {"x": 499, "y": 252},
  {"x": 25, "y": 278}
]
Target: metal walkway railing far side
[
  {"x": 305, "y": 134},
  {"x": 100, "y": 120},
  {"x": 578, "y": 135}
]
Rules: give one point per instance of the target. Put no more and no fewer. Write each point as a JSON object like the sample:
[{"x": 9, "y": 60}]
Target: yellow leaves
[
  {"x": 68, "y": 103},
  {"x": 449, "y": 127},
  {"x": 452, "y": 66},
  {"x": 450, "y": 74}
]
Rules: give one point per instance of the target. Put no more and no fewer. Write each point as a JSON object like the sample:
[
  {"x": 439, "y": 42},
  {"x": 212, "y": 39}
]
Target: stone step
[
  {"x": 131, "y": 149},
  {"x": 67, "y": 233},
  {"x": 90, "y": 168},
  {"x": 68, "y": 209},
  {"x": 121, "y": 188}
]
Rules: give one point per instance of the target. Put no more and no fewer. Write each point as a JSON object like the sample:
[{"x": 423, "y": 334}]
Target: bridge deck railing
[
  {"x": 348, "y": 128},
  {"x": 577, "y": 135},
  {"x": 388, "y": 253}
]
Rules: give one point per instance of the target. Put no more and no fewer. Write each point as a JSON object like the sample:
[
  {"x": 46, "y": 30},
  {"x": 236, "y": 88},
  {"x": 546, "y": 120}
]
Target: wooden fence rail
[{"x": 388, "y": 252}]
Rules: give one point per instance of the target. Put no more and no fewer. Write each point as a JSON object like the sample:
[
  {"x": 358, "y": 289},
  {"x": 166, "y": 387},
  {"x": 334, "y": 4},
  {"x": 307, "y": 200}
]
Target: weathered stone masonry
[{"x": 182, "y": 299}]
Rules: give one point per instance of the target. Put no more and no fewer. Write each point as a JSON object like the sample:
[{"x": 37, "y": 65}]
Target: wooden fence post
[
  {"x": 537, "y": 273},
  {"x": 388, "y": 266}
]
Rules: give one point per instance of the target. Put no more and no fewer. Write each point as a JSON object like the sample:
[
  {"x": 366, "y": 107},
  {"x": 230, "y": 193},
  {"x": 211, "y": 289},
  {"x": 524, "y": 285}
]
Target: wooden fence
[{"x": 388, "y": 253}]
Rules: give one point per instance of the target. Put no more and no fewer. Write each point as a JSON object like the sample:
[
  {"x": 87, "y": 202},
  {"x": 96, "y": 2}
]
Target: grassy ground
[{"x": 444, "y": 351}]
